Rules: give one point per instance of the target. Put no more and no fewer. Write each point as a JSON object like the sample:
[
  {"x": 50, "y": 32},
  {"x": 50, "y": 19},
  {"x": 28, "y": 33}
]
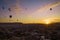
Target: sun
[
  {"x": 50, "y": 20},
  {"x": 47, "y": 21}
]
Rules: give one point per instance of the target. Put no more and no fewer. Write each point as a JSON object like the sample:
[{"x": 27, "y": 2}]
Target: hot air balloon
[
  {"x": 50, "y": 8},
  {"x": 10, "y": 16},
  {"x": 3, "y": 8},
  {"x": 9, "y": 9},
  {"x": 25, "y": 8}
]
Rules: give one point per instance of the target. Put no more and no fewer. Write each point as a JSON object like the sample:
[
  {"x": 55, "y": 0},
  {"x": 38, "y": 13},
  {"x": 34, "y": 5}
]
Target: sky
[{"x": 29, "y": 11}]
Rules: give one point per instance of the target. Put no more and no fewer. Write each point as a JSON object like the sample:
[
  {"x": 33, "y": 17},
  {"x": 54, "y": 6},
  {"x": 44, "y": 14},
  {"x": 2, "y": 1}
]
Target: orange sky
[{"x": 30, "y": 11}]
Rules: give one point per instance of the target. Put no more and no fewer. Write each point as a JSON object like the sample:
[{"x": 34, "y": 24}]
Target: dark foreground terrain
[{"x": 19, "y": 31}]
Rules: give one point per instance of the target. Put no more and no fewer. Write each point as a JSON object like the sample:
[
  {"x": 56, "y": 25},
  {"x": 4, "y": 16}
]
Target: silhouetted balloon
[
  {"x": 3, "y": 8},
  {"x": 25, "y": 8},
  {"x": 10, "y": 16},
  {"x": 50, "y": 8},
  {"x": 9, "y": 9}
]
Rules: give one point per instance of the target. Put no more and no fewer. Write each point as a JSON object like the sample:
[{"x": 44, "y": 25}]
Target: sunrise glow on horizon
[{"x": 30, "y": 11}]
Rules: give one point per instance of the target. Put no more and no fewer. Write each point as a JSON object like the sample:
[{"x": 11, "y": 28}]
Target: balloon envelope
[
  {"x": 9, "y": 9},
  {"x": 3, "y": 8},
  {"x": 10, "y": 16},
  {"x": 50, "y": 8}
]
